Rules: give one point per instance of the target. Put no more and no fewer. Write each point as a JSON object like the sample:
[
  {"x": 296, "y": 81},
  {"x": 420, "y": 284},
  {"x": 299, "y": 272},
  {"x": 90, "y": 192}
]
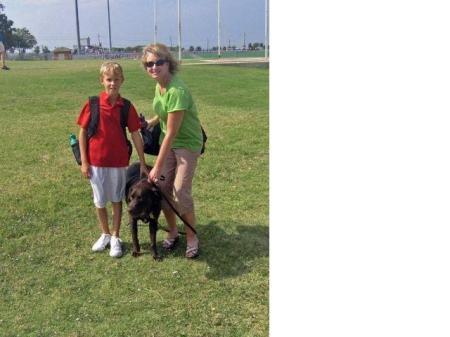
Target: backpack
[
  {"x": 94, "y": 107},
  {"x": 150, "y": 137}
]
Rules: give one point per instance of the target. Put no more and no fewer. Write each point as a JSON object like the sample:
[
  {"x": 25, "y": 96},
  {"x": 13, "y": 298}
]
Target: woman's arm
[
  {"x": 153, "y": 121},
  {"x": 174, "y": 121}
]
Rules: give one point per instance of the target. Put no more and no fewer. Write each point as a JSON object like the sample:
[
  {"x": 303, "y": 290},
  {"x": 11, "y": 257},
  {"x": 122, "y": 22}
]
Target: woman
[{"x": 181, "y": 142}]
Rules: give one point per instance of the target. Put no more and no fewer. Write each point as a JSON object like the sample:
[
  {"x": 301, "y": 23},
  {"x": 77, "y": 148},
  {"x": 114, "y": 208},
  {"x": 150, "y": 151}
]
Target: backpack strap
[
  {"x": 124, "y": 122},
  {"x": 124, "y": 115},
  {"x": 94, "y": 107}
]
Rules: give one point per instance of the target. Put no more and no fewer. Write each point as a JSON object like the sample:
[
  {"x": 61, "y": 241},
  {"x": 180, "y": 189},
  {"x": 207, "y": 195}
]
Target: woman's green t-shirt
[{"x": 176, "y": 98}]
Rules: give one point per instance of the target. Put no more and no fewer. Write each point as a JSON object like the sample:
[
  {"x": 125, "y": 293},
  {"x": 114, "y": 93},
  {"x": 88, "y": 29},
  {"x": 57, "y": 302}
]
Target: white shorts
[
  {"x": 108, "y": 184},
  {"x": 2, "y": 47}
]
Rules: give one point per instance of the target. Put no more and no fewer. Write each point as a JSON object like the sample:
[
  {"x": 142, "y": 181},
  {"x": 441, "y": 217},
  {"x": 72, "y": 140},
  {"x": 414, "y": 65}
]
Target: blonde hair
[
  {"x": 111, "y": 68},
  {"x": 162, "y": 52}
]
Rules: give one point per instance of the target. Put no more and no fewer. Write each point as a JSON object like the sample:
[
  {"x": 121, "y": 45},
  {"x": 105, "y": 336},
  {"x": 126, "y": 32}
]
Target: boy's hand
[
  {"x": 85, "y": 170},
  {"x": 144, "y": 170}
]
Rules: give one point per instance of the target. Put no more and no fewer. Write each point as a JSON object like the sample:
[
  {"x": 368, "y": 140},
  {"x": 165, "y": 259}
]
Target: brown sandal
[
  {"x": 192, "y": 251},
  {"x": 170, "y": 244}
]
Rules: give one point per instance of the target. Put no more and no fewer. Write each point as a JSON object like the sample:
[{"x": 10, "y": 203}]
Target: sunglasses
[{"x": 157, "y": 63}]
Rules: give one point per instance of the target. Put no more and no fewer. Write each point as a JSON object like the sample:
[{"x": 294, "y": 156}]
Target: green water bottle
[{"x": 73, "y": 141}]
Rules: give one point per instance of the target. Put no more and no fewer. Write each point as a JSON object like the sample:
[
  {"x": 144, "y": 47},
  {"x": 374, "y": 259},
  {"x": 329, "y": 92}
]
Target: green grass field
[{"x": 52, "y": 285}]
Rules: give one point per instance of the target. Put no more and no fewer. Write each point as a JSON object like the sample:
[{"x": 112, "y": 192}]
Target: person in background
[{"x": 3, "y": 51}]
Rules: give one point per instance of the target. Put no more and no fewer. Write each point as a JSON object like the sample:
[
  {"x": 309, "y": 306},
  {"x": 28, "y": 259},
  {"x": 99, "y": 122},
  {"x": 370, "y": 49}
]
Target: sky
[{"x": 53, "y": 22}]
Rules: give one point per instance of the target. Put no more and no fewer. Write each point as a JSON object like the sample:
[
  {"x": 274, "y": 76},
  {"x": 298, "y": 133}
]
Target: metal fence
[{"x": 186, "y": 54}]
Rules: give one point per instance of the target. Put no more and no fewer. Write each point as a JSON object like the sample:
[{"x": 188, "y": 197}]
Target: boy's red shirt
[{"x": 107, "y": 147}]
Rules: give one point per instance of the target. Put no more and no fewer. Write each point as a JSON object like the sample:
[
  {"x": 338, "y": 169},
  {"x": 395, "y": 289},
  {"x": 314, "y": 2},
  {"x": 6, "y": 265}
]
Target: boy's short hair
[{"x": 111, "y": 67}]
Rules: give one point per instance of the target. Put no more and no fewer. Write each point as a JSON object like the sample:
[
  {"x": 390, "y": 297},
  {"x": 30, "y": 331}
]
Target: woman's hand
[
  {"x": 154, "y": 175},
  {"x": 85, "y": 170}
]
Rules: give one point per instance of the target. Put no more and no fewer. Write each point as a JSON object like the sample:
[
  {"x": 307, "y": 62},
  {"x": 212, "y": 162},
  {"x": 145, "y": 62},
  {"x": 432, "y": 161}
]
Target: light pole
[
  {"x": 78, "y": 27},
  {"x": 218, "y": 28},
  {"x": 266, "y": 40},
  {"x": 179, "y": 32},
  {"x": 109, "y": 28},
  {"x": 155, "y": 32}
]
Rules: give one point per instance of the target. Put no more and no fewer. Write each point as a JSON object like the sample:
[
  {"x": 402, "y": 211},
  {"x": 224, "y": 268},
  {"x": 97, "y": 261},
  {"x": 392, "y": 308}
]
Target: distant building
[
  {"x": 62, "y": 53},
  {"x": 87, "y": 48},
  {"x": 85, "y": 42}
]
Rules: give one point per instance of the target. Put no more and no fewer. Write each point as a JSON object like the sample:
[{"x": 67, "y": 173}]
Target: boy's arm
[
  {"x": 139, "y": 146},
  {"x": 83, "y": 152}
]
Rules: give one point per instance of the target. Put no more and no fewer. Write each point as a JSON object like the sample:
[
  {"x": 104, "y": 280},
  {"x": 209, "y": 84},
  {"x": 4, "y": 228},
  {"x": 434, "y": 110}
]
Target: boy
[{"x": 104, "y": 158}]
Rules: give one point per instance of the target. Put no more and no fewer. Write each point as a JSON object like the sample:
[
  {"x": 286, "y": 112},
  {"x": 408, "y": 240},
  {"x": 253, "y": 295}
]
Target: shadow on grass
[
  {"x": 231, "y": 255},
  {"x": 227, "y": 253}
]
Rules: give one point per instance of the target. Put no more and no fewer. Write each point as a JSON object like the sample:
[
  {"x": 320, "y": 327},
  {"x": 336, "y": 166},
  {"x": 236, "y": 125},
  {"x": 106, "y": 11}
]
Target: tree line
[{"x": 19, "y": 39}]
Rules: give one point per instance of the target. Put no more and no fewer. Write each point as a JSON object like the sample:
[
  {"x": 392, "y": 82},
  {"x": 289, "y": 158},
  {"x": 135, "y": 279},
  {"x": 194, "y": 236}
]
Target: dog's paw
[
  {"x": 136, "y": 254},
  {"x": 157, "y": 258}
]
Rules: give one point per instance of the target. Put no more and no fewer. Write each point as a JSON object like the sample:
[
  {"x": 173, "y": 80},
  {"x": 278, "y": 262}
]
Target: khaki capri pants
[{"x": 178, "y": 170}]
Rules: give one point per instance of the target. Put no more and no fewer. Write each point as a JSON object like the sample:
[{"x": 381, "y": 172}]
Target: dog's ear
[{"x": 130, "y": 193}]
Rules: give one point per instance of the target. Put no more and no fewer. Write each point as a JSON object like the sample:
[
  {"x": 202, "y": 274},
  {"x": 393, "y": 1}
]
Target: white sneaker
[
  {"x": 101, "y": 243},
  {"x": 116, "y": 247}
]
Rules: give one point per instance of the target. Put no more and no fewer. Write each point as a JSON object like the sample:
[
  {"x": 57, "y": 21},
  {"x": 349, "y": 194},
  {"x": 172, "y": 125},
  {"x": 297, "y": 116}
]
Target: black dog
[{"x": 144, "y": 203}]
